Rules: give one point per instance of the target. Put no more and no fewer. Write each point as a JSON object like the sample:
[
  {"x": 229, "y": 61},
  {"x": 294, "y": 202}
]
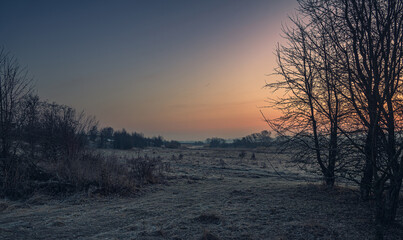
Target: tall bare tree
[
  {"x": 311, "y": 103},
  {"x": 364, "y": 43},
  {"x": 14, "y": 86}
]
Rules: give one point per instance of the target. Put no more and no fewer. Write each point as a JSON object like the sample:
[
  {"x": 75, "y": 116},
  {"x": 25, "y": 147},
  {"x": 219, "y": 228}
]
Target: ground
[{"x": 206, "y": 194}]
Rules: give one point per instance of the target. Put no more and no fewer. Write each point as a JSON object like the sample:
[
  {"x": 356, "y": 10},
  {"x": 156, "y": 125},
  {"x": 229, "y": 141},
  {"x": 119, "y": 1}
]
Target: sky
[{"x": 183, "y": 69}]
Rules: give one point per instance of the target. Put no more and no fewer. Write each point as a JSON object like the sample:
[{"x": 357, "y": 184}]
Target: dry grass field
[{"x": 205, "y": 194}]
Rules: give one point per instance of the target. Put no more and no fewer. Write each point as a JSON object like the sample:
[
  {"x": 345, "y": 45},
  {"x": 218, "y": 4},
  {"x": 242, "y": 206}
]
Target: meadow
[{"x": 202, "y": 193}]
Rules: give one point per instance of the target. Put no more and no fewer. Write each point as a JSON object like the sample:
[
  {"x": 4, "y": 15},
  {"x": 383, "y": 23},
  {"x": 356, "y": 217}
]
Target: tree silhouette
[
  {"x": 14, "y": 86},
  {"x": 343, "y": 70}
]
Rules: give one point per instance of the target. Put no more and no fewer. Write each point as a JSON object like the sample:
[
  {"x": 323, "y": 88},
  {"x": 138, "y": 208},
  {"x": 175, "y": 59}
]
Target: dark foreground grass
[{"x": 200, "y": 200}]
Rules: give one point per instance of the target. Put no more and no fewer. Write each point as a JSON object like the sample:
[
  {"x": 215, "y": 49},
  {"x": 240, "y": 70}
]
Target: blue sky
[{"x": 187, "y": 70}]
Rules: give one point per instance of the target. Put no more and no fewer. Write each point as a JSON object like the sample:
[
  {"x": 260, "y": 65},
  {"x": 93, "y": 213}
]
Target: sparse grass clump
[{"x": 242, "y": 154}]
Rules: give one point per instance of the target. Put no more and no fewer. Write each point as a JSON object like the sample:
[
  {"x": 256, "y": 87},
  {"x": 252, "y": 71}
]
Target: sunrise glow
[{"x": 186, "y": 70}]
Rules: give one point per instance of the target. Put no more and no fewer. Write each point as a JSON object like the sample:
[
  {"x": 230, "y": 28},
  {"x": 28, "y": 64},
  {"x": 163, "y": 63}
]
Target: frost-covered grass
[{"x": 206, "y": 194}]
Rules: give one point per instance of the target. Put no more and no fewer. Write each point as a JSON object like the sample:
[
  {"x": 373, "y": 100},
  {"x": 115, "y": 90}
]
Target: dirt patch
[
  {"x": 208, "y": 218},
  {"x": 209, "y": 236}
]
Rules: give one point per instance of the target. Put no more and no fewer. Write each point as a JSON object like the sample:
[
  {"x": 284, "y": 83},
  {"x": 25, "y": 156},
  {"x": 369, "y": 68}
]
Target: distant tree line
[
  {"x": 109, "y": 138},
  {"x": 43, "y": 144},
  {"x": 262, "y": 139}
]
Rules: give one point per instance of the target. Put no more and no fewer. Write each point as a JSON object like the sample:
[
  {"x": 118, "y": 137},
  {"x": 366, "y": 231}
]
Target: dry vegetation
[{"x": 201, "y": 194}]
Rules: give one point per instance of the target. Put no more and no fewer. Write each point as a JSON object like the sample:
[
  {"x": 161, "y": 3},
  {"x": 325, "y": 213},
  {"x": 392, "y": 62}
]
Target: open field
[{"x": 206, "y": 194}]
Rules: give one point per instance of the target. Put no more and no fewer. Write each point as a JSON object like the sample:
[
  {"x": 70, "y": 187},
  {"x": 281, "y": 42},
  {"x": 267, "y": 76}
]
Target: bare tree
[
  {"x": 63, "y": 130},
  {"x": 364, "y": 42},
  {"x": 30, "y": 123},
  {"x": 312, "y": 105},
  {"x": 14, "y": 86}
]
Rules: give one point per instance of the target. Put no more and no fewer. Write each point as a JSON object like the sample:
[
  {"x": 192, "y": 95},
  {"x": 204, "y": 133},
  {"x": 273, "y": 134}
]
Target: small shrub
[
  {"x": 242, "y": 154},
  {"x": 146, "y": 170},
  {"x": 253, "y": 157},
  {"x": 222, "y": 163}
]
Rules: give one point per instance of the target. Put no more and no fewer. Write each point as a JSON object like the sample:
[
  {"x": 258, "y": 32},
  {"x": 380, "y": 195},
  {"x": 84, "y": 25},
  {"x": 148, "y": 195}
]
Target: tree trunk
[
  {"x": 329, "y": 179},
  {"x": 392, "y": 201},
  {"x": 333, "y": 152},
  {"x": 366, "y": 180}
]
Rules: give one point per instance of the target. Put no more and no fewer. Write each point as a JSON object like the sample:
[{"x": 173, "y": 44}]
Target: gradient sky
[{"x": 183, "y": 69}]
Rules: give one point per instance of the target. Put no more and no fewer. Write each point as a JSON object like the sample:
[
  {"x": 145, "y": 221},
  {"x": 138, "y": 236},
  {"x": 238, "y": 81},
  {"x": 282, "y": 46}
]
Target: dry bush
[
  {"x": 97, "y": 173},
  {"x": 253, "y": 157},
  {"x": 20, "y": 178},
  {"x": 94, "y": 173},
  {"x": 180, "y": 157},
  {"x": 14, "y": 176},
  {"x": 88, "y": 171},
  {"x": 222, "y": 163},
  {"x": 147, "y": 170}
]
